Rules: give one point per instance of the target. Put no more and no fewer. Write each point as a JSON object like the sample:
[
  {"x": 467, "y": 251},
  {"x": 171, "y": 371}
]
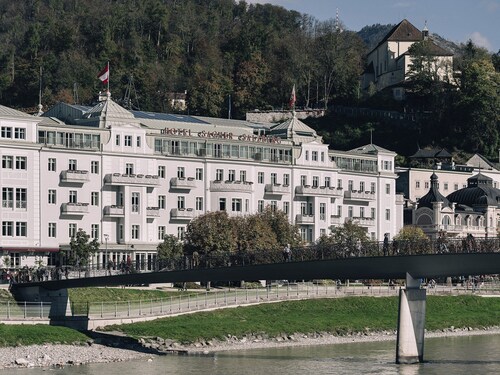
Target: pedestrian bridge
[{"x": 412, "y": 268}]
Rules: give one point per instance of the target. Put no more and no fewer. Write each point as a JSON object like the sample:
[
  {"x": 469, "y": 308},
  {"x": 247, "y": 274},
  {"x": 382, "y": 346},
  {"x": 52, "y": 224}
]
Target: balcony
[
  {"x": 182, "y": 183},
  {"x": 336, "y": 220},
  {"x": 74, "y": 208},
  {"x": 182, "y": 213},
  {"x": 114, "y": 211},
  {"x": 131, "y": 179},
  {"x": 153, "y": 211},
  {"x": 363, "y": 221},
  {"x": 231, "y": 186},
  {"x": 78, "y": 176},
  {"x": 304, "y": 219},
  {"x": 327, "y": 191},
  {"x": 356, "y": 195},
  {"x": 277, "y": 189}
]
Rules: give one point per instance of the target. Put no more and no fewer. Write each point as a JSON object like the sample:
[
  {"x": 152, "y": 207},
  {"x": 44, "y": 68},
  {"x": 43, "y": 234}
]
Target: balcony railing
[
  {"x": 75, "y": 208},
  {"x": 304, "y": 219},
  {"x": 183, "y": 183},
  {"x": 336, "y": 219},
  {"x": 359, "y": 195},
  {"x": 79, "y": 176},
  {"x": 363, "y": 221},
  {"x": 114, "y": 211},
  {"x": 318, "y": 191},
  {"x": 131, "y": 179},
  {"x": 277, "y": 189},
  {"x": 153, "y": 211},
  {"x": 230, "y": 186},
  {"x": 182, "y": 213}
]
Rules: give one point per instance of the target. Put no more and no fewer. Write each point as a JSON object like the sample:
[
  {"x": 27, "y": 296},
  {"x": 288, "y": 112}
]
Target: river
[{"x": 465, "y": 355}]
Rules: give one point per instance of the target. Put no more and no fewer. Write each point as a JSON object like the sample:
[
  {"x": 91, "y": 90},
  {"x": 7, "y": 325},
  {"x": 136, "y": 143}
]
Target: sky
[{"x": 455, "y": 20}]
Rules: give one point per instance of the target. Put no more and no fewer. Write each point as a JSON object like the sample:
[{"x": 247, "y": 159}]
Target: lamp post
[{"x": 106, "y": 238}]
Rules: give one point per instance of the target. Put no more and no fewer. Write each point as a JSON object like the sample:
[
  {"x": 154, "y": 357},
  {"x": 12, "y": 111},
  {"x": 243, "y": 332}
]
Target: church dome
[
  {"x": 479, "y": 192},
  {"x": 433, "y": 195}
]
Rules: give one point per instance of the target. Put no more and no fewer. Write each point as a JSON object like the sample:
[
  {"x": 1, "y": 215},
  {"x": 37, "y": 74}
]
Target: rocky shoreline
[{"x": 147, "y": 349}]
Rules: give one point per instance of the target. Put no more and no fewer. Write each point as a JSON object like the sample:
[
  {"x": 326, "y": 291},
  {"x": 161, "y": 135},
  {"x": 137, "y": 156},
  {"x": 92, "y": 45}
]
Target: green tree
[
  {"x": 170, "y": 252},
  {"x": 348, "y": 239},
  {"x": 411, "y": 240},
  {"x": 82, "y": 248}
]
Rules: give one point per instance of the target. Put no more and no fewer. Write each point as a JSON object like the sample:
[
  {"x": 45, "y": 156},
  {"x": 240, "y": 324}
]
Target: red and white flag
[
  {"x": 104, "y": 74},
  {"x": 293, "y": 98}
]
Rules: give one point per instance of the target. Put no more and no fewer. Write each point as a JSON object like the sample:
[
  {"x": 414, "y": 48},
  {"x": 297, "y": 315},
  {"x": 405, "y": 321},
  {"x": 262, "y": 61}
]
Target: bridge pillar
[
  {"x": 58, "y": 299},
  {"x": 411, "y": 322}
]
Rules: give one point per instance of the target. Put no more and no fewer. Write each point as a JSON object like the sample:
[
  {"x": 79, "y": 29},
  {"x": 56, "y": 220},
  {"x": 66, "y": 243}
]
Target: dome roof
[
  {"x": 479, "y": 192},
  {"x": 433, "y": 195}
]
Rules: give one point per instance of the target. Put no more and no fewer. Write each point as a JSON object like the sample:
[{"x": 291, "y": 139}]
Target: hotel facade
[{"x": 129, "y": 177}]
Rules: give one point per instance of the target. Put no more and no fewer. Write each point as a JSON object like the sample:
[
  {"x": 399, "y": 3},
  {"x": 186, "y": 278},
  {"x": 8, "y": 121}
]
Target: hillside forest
[{"x": 250, "y": 54}]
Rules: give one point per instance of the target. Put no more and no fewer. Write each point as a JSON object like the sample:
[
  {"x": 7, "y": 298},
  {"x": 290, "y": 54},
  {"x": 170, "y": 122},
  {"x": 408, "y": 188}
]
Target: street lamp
[{"x": 105, "y": 263}]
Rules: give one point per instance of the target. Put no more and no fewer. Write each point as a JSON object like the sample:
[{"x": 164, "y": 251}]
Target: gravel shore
[{"x": 70, "y": 355}]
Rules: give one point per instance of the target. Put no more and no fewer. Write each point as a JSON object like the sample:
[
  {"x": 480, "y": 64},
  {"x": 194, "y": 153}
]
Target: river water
[{"x": 467, "y": 355}]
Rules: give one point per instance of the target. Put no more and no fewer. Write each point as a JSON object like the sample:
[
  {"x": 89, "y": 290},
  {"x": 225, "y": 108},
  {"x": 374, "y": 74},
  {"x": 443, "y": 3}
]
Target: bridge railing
[{"x": 320, "y": 251}]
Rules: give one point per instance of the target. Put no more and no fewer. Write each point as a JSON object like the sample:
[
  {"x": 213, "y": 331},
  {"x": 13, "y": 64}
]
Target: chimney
[{"x": 425, "y": 32}]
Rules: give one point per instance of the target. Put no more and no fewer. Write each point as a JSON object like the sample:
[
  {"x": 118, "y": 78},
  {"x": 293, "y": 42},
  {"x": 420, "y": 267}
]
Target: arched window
[
  {"x": 446, "y": 220},
  {"x": 458, "y": 220},
  {"x": 479, "y": 221}
]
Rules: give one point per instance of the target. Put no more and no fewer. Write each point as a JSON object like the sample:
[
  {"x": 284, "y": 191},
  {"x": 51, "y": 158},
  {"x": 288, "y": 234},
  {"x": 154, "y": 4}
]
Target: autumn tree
[{"x": 411, "y": 240}]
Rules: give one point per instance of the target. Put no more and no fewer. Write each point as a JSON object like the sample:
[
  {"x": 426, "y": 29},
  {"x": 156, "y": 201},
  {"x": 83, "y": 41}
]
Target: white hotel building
[{"x": 129, "y": 177}]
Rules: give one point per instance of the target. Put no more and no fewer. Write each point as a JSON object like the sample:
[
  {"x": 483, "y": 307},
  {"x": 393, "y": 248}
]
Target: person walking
[
  {"x": 386, "y": 244},
  {"x": 287, "y": 253}
]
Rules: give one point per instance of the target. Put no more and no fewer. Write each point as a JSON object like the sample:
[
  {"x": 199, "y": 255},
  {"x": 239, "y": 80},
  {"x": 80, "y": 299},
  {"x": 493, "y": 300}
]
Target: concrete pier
[{"x": 411, "y": 323}]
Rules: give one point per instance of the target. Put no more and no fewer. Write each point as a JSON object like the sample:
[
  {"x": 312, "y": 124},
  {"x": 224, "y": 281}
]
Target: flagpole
[{"x": 109, "y": 76}]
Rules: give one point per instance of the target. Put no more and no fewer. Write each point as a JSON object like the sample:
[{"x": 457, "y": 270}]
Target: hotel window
[
  {"x": 161, "y": 171},
  {"x": 135, "y": 232},
  {"x": 7, "y": 197},
  {"x": 231, "y": 176},
  {"x": 199, "y": 174},
  {"x": 181, "y": 232},
  {"x": 372, "y": 214},
  {"x": 19, "y": 133},
  {"x": 315, "y": 181},
  {"x": 135, "y": 202},
  {"x": 129, "y": 168},
  {"x": 72, "y": 164},
  {"x": 236, "y": 205},
  {"x": 388, "y": 188},
  {"x": 21, "y": 197},
  {"x": 52, "y": 230},
  {"x": 21, "y": 162},
  {"x": 426, "y": 184},
  {"x": 361, "y": 186},
  {"x": 350, "y": 185},
  {"x": 274, "y": 205},
  {"x": 52, "y": 164},
  {"x": 73, "y": 196},
  {"x": 94, "y": 166},
  {"x": 94, "y": 198},
  {"x": 219, "y": 175},
  {"x": 243, "y": 176},
  {"x": 127, "y": 141},
  {"x": 8, "y": 228},
  {"x": 286, "y": 179},
  {"x": 314, "y": 155},
  {"x": 322, "y": 232},
  {"x": 181, "y": 172},
  {"x": 260, "y": 206},
  {"x": 222, "y": 204},
  {"x": 327, "y": 181},
  {"x": 138, "y": 141},
  {"x": 181, "y": 202},
  {"x": 417, "y": 184},
  {"x": 6, "y": 132},
  {"x": 455, "y": 187},
  {"x": 247, "y": 205},
  {"x": 117, "y": 140},
  {"x": 120, "y": 231},
  {"x": 387, "y": 214},
  {"x": 361, "y": 212},
  {"x": 350, "y": 211},
  {"x": 307, "y": 155},
  {"x": 286, "y": 207},
  {"x": 162, "y": 202},
  {"x": 303, "y": 180},
  {"x": 322, "y": 156},
  {"x": 72, "y": 230},
  {"x": 94, "y": 231},
  {"x": 161, "y": 232},
  {"x": 322, "y": 211},
  {"x": 52, "y": 196},
  {"x": 339, "y": 211},
  {"x": 303, "y": 208},
  {"x": 274, "y": 178},
  {"x": 260, "y": 177},
  {"x": 372, "y": 187},
  {"x": 339, "y": 184},
  {"x": 7, "y": 162},
  {"x": 445, "y": 186},
  {"x": 199, "y": 204}
]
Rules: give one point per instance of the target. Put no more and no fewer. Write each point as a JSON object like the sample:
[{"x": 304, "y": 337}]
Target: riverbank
[{"x": 58, "y": 356}]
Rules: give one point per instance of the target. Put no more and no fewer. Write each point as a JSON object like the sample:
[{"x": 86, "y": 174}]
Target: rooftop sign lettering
[{"x": 221, "y": 135}]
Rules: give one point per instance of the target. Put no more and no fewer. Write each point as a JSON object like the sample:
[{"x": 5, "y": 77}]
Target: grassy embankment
[{"x": 339, "y": 316}]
